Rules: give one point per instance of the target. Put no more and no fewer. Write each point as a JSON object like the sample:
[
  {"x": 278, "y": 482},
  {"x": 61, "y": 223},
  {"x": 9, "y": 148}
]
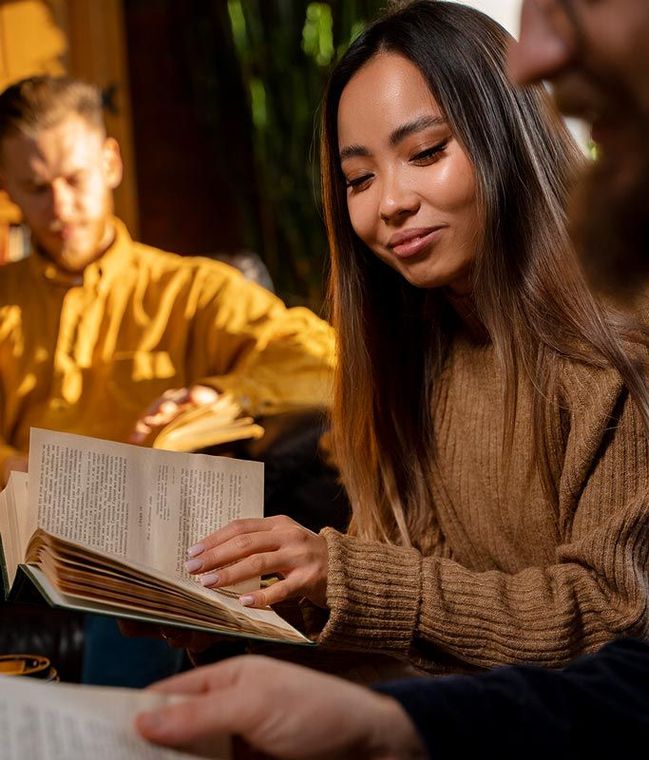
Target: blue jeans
[{"x": 112, "y": 659}]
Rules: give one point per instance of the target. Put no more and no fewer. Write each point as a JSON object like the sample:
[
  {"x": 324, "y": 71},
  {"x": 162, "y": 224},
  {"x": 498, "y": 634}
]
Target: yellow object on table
[{"x": 33, "y": 665}]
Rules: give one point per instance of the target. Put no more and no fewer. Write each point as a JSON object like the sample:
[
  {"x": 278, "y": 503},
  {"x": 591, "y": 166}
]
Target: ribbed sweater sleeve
[
  {"x": 589, "y": 587},
  {"x": 374, "y": 594}
]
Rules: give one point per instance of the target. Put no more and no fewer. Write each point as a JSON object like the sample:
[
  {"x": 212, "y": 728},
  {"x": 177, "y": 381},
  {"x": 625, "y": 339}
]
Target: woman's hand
[{"x": 246, "y": 549}]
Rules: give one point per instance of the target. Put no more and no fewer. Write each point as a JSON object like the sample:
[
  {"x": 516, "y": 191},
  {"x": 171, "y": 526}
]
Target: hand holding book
[
  {"x": 248, "y": 548},
  {"x": 190, "y": 419},
  {"x": 42, "y": 721},
  {"x": 278, "y": 708},
  {"x": 102, "y": 526}
]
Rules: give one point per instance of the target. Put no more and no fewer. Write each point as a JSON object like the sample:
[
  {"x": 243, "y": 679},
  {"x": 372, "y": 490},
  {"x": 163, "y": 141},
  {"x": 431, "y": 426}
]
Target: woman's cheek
[{"x": 360, "y": 216}]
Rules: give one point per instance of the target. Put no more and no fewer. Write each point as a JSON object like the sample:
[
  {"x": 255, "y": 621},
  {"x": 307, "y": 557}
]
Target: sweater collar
[{"x": 103, "y": 270}]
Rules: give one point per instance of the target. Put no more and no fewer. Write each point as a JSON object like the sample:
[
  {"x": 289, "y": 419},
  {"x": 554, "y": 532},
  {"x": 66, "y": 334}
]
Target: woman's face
[{"x": 411, "y": 189}]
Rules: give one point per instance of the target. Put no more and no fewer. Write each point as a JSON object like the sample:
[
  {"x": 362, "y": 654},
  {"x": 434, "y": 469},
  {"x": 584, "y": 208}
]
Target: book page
[
  {"x": 16, "y": 524},
  {"x": 8, "y": 538},
  {"x": 246, "y": 621},
  {"x": 202, "y": 425},
  {"x": 201, "y": 433},
  {"x": 54, "y": 721},
  {"x": 26, "y": 519},
  {"x": 138, "y": 504}
]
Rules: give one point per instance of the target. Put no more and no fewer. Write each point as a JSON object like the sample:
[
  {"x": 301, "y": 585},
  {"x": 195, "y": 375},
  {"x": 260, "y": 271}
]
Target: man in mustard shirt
[{"x": 103, "y": 336}]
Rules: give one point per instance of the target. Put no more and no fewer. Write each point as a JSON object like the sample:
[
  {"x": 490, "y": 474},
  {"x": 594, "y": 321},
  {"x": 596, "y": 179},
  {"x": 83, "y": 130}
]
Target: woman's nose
[{"x": 397, "y": 200}]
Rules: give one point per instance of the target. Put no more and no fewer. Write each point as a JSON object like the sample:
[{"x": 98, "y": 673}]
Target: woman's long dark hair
[{"x": 528, "y": 289}]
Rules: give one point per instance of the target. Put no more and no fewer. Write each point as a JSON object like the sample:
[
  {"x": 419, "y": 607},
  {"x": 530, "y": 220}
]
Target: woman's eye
[
  {"x": 358, "y": 183},
  {"x": 430, "y": 154}
]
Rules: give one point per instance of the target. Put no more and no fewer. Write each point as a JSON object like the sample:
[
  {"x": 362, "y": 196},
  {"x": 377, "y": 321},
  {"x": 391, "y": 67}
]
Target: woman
[{"x": 490, "y": 415}]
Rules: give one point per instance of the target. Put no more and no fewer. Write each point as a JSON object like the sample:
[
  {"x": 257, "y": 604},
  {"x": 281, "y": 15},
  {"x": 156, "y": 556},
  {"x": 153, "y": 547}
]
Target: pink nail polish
[
  {"x": 195, "y": 550},
  {"x": 247, "y": 600},
  {"x": 211, "y": 579},
  {"x": 193, "y": 565}
]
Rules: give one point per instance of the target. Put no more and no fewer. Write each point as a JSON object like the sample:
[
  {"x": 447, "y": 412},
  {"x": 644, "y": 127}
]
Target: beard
[{"x": 610, "y": 220}]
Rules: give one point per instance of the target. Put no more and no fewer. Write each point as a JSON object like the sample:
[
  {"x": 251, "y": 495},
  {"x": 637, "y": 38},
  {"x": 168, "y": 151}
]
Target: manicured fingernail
[
  {"x": 195, "y": 550},
  {"x": 211, "y": 579},
  {"x": 247, "y": 600},
  {"x": 192, "y": 565}
]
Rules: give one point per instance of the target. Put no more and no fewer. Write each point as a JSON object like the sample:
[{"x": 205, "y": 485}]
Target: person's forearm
[
  {"x": 482, "y": 618},
  {"x": 269, "y": 358},
  {"x": 597, "y": 705}
]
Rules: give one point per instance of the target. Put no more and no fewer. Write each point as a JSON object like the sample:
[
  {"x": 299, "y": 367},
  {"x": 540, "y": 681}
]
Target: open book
[
  {"x": 198, "y": 427},
  {"x": 51, "y": 721},
  {"x": 103, "y": 527}
]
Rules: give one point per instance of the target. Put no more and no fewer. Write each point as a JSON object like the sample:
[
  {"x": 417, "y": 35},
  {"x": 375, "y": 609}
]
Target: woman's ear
[{"x": 113, "y": 166}]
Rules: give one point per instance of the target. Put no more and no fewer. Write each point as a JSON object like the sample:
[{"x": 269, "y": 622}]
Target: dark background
[{"x": 224, "y": 98}]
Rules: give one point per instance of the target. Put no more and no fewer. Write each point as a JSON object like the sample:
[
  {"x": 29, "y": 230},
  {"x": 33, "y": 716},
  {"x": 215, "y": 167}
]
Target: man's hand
[
  {"x": 170, "y": 405},
  {"x": 280, "y": 709},
  {"x": 248, "y": 548},
  {"x": 18, "y": 462}
]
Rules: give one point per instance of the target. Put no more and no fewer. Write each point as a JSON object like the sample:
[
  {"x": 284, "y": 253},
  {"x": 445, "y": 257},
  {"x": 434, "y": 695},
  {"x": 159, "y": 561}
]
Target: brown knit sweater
[{"x": 514, "y": 578}]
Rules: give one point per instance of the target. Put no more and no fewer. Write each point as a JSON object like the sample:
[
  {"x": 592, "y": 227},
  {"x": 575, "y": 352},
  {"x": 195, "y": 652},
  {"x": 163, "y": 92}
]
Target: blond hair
[{"x": 41, "y": 102}]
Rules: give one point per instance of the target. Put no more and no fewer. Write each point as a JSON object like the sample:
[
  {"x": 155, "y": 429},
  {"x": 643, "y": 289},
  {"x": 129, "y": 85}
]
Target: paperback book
[{"x": 103, "y": 527}]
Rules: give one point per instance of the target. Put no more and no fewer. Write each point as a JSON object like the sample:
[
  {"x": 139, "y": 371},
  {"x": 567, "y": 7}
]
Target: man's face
[
  {"x": 587, "y": 49},
  {"x": 595, "y": 53},
  {"x": 62, "y": 179}
]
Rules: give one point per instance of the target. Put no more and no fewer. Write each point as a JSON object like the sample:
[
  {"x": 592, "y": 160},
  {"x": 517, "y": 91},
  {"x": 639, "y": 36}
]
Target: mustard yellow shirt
[{"x": 88, "y": 353}]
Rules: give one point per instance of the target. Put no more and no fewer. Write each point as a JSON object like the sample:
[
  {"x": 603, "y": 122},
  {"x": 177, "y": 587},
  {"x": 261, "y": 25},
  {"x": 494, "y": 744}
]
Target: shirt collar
[{"x": 102, "y": 270}]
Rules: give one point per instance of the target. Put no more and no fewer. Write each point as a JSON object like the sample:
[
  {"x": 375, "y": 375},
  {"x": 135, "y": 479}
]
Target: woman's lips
[{"x": 412, "y": 242}]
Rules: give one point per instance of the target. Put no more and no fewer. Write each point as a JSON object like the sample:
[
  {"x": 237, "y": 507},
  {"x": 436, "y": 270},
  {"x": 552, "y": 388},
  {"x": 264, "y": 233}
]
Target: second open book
[
  {"x": 198, "y": 427},
  {"x": 104, "y": 527}
]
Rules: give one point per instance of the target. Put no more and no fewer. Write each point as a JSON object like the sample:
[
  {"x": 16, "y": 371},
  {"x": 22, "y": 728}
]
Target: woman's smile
[{"x": 409, "y": 243}]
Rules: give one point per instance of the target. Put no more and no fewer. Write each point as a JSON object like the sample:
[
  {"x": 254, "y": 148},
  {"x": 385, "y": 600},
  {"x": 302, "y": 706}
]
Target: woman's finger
[
  {"x": 229, "y": 531},
  {"x": 274, "y": 594},
  {"x": 251, "y": 567},
  {"x": 237, "y": 548}
]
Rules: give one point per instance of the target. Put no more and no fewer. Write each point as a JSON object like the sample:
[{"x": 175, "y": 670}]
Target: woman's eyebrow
[
  {"x": 349, "y": 151},
  {"x": 399, "y": 134},
  {"x": 416, "y": 125}
]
